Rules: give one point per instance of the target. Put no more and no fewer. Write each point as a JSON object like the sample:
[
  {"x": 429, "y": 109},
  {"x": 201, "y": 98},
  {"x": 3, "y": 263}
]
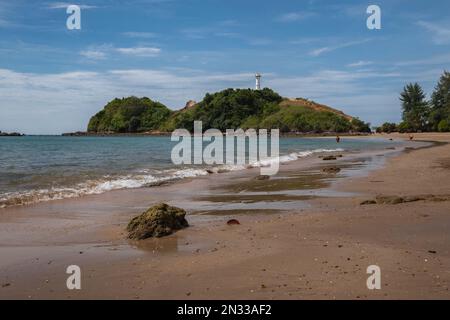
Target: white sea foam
[{"x": 144, "y": 178}]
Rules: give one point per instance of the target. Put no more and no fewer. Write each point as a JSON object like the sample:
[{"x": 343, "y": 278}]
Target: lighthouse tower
[{"x": 258, "y": 81}]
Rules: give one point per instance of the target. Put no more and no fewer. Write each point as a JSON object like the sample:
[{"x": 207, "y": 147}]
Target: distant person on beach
[
  {"x": 411, "y": 137},
  {"x": 338, "y": 139}
]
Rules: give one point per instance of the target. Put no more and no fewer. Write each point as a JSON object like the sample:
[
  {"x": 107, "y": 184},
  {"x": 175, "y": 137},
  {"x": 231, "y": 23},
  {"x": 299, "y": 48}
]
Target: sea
[{"x": 45, "y": 168}]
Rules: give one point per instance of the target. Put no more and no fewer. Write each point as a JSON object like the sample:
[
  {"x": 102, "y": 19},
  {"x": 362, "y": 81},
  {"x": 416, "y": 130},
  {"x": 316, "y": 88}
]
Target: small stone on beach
[
  {"x": 368, "y": 202},
  {"x": 233, "y": 222}
]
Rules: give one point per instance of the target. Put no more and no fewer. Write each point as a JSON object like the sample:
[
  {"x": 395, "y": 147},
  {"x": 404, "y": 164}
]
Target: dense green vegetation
[
  {"x": 420, "y": 114},
  {"x": 440, "y": 102},
  {"x": 387, "y": 127},
  {"x": 228, "y": 109},
  {"x": 129, "y": 115}
]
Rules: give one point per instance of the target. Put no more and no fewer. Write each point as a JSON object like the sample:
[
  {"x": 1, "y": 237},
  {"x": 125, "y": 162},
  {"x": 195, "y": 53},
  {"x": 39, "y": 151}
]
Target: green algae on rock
[{"x": 158, "y": 221}]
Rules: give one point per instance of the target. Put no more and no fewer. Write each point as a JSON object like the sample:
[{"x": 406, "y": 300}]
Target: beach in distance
[{"x": 309, "y": 232}]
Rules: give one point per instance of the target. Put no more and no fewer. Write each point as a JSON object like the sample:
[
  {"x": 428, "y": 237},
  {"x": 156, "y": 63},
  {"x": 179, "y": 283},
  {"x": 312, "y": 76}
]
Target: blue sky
[{"x": 53, "y": 79}]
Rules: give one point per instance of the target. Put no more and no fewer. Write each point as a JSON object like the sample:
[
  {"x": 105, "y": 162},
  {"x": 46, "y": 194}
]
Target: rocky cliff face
[{"x": 190, "y": 104}]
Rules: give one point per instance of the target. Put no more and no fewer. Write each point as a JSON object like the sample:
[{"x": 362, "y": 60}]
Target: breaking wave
[{"x": 144, "y": 178}]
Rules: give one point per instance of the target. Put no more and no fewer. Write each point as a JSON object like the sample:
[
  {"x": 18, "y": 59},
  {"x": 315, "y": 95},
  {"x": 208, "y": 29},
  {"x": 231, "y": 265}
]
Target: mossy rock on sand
[{"x": 158, "y": 221}]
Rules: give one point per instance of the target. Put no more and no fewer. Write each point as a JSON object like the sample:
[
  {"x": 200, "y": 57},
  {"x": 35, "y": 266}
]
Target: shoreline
[
  {"x": 332, "y": 228},
  {"x": 165, "y": 175}
]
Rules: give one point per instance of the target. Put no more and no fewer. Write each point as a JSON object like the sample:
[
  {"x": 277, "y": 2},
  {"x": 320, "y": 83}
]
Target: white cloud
[
  {"x": 140, "y": 51},
  {"x": 103, "y": 51},
  {"x": 294, "y": 16},
  {"x": 93, "y": 54},
  {"x": 360, "y": 63},
  {"x": 319, "y": 51},
  {"x": 440, "y": 34}
]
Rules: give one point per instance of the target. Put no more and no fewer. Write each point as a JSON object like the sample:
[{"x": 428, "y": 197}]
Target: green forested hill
[
  {"x": 228, "y": 109},
  {"x": 129, "y": 115}
]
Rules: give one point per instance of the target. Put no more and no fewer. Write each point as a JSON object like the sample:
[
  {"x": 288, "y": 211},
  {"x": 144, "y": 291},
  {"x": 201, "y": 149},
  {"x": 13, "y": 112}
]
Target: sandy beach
[{"x": 303, "y": 234}]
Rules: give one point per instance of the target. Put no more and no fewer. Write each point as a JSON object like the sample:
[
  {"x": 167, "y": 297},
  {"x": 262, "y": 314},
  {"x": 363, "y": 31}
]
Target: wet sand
[{"x": 303, "y": 235}]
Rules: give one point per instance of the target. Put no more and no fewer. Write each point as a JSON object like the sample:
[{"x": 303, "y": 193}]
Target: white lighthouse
[{"x": 258, "y": 81}]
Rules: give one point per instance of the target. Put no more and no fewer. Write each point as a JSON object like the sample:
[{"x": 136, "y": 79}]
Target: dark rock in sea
[
  {"x": 233, "y": 222},
  {"x": 262, "y": 177},
  {"x": 209, "y": 171},
  {"x": 331, "y": 170},
  {"x": 329, "y": 158},
  {"x": 158, "y": 221}
]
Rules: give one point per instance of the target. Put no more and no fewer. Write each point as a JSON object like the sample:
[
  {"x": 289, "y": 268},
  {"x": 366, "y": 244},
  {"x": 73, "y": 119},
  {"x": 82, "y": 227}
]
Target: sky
[{"x": 52, "y": 79}]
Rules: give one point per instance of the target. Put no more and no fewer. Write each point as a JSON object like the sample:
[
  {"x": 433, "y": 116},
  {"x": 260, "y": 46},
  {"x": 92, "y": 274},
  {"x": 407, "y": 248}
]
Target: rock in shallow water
[{"x": 158, "y": 221}]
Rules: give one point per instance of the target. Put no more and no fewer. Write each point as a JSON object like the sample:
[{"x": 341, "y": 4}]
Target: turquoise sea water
[{"x": 40, "y": 168}]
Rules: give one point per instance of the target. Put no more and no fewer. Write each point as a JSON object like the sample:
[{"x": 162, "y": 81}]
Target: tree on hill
[{"x": 415, "y": 107}]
